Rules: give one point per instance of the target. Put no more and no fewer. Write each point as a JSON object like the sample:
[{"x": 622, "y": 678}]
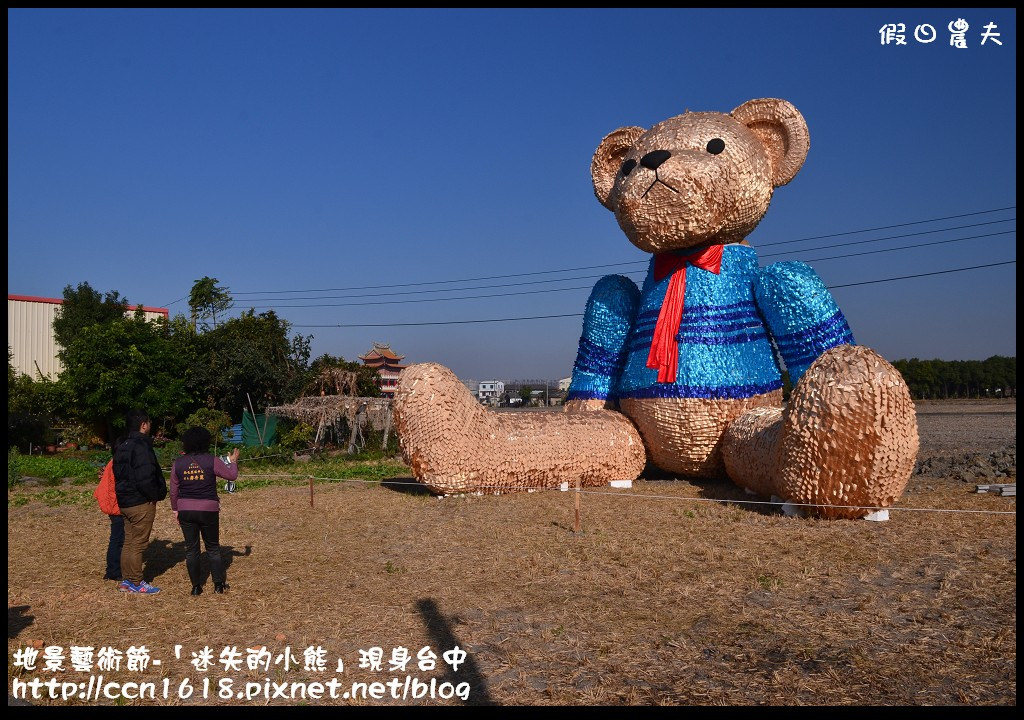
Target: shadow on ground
[
  {"x": 407, "y": 485},
  {"x": 720, "y": 489},
  {"x": 18, "y": 620},
  {"x": 440, "y": 629},
  {"x": 162, "y": 555}
]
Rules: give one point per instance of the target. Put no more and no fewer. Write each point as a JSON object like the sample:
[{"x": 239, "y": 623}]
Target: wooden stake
[
  {"x": 357, "y": 430},
  {"x": 319, "y": 429},
  {"x": 254, "y": 419},
  {"x": 576, "y": 527},
  {"x": 311, "y": 491},
  {"x": 387, "y": 428}
]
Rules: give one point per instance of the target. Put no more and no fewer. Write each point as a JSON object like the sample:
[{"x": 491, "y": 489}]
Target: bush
[
  {"x": 167, "y": 452},
  {"x": 12, "y": 467},
  {"x": 52, "y": 468},
  {"x": 25, "y": 431},
  {"x": 78, "y": 435},
  {"x": 298, "y": 437},
  {"x": 216, "y": 421},
  {"x": 256, "y": 459}
]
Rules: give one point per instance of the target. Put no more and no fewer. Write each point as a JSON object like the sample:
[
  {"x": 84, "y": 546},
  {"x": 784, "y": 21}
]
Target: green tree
[
  {"x": 43, "y": 397},
  {"x": 298, "y": 372},
  {"x": 33, "y": 408},
  {"x": 1002, "y": 374},
  {"x": 214, "y": 421},
  {"x": 525, "y": 393},
  {"x": 250, "y": 356},
  {"x": 917, "y": 376},
  {"x": 206, "y": 299},
  {"x": 84, "y": 307},
  {"x": 930, "y": 379},
  {"x": 111, "y": 368}
]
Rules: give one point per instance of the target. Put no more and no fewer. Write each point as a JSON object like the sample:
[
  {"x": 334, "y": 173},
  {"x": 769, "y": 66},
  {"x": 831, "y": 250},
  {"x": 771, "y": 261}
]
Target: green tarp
[{"x": 259, "y": 431}]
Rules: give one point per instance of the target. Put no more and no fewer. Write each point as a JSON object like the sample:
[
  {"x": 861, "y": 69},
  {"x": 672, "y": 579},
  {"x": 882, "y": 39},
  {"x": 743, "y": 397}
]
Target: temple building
[{"x": 387, "y": 364}]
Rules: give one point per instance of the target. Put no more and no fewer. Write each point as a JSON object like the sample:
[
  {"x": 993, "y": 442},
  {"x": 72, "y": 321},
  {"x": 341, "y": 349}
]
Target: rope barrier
[{"x": 645, "y": 496}]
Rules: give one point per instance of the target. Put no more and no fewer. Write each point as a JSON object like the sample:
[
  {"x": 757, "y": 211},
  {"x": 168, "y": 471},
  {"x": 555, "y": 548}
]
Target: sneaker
[
  {"x": 126, "y": 586},
  {"x": 144, "y": 588}
]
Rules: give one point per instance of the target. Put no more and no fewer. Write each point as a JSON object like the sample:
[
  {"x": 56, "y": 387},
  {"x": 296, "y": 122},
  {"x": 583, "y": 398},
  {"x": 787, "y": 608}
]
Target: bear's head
[{"x": 699, "y": 177}]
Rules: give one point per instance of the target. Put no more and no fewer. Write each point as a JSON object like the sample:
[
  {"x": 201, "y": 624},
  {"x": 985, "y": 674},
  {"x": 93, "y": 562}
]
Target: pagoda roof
[
  {"x": 380, "y": 364},
  {"x": 381, "y": 350}
]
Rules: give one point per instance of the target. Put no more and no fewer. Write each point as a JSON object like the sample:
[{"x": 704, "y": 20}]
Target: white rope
[{"x": 657, "y": 497}]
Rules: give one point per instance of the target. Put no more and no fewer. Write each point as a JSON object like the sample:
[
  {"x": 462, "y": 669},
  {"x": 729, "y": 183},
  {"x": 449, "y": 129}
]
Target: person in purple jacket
[{"x": 196, "y": 505}]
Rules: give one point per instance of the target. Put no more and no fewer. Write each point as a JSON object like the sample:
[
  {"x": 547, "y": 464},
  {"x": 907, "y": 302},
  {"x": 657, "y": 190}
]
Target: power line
[
  {"x": 450, "y": 322},
  {"x": 909, "y": 247},
  {"x": 889, "y": 227},
  {"x": 635, "y": 262},
  {"x": 546, "y": 317},
  {"x": 612, "y": 265},
  {"x": 592, "y": 277},
  {"x": 442, "y": 282},
  {"x": 471, "y": 287},
  {"x": 426, "y": 300},
  {"x": 891, "y": 237},
  {"x": 584, "y": 287},
  {"x": 937, "y": 272},
  {"x": 175, "y": 301}
]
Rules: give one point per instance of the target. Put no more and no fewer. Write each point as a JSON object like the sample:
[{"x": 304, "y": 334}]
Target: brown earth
[{"x": 673, "y": 593}]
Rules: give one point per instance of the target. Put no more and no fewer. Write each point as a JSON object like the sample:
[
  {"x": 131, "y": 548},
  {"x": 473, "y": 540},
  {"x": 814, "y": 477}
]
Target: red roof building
[
  {"x": 387, "y": 364},
  {"x": 30, "y": 333}
]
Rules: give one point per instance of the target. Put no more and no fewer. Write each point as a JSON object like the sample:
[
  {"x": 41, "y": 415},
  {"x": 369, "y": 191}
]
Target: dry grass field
[{"x": 672, "y": 593}]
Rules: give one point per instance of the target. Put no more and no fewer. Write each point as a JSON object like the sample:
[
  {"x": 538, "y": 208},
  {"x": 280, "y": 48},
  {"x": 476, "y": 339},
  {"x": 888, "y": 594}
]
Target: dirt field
[{"x": 674, "y": 593}]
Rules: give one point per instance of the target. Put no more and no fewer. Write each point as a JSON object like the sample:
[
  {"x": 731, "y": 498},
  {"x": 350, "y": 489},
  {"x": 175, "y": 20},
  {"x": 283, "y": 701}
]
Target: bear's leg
[
  {"x": 455, "y": 445},
  {"x": 685, "y": 435},
  {"x": 750, "y": 449},
  {"x": 610, "y": 312},
  {"x": 845, "y": 444}
]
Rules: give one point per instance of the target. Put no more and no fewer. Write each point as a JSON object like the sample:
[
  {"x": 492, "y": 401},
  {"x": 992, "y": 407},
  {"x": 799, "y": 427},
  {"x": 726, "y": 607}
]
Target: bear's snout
[{"x": 654, "y": 159}]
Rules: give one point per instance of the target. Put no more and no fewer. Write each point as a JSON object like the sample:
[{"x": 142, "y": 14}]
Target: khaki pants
[{"x": 138, "y": 524}]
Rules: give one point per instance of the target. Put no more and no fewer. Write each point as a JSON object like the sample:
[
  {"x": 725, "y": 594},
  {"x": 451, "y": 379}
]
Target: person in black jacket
[{"x": 140, "y": 485}]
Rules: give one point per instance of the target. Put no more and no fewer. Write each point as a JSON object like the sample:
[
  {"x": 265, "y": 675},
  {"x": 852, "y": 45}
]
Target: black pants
[
  {"x": 114, "y": 547},
  {"x": 193, "y": 524}
]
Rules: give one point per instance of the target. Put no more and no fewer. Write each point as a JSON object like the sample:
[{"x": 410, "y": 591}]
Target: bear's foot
[
  {"x": 849, "y": 436},
  {"x": 454, "y": 445}
]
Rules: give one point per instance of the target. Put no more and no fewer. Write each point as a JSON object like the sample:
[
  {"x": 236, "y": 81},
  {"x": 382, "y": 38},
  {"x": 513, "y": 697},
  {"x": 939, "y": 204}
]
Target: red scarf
[{"x": 664, "y": 355}]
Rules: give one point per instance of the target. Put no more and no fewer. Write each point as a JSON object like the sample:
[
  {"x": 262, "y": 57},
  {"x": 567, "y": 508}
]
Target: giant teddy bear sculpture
[{"x": 685, "y": 372}]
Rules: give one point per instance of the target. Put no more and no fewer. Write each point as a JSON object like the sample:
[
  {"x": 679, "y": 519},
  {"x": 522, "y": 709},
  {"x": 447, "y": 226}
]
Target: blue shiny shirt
[{"x": 730, "y": 321}]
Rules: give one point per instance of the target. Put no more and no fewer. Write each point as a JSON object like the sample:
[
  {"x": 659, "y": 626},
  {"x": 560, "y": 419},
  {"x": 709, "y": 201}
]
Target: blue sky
[{"x": 334, "y": 157}]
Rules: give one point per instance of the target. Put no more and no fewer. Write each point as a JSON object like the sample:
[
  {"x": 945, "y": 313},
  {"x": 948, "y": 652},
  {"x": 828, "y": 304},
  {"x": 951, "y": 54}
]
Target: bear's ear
[
  {"x": 782, "y": 130},
  {"x": 608, "y": 159}
]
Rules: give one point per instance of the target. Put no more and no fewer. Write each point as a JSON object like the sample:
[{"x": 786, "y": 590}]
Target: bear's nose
[{"x": 653, "y": 159}]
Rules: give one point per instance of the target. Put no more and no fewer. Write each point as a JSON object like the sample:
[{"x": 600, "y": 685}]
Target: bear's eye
[
  {"x": 716, "y": 146},
  {"x": 627, "y": 167}
]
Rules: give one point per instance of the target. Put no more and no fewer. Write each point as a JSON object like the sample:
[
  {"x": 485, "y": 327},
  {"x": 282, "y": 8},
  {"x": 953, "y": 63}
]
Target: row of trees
[
  {"x": 927, "y": 379},
  {"x": 115, "y": 359},
  {"x": 521, "y": 392},
  {"x": 934, "y": 379}
]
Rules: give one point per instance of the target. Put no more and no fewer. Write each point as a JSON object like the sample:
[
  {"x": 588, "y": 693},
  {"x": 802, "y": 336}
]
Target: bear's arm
[
  {"x": 611, "y": 310},
  {"x": 801, "y": 314}
]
